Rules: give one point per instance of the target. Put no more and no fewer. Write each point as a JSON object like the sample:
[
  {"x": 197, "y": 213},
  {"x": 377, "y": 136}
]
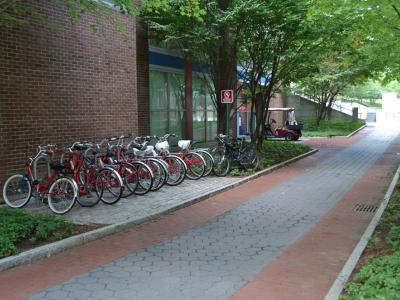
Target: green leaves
[
  {"x": 18, "y": 225},
  {"x": 16, "y": 12},
  {"x": 378, "y": 280}
]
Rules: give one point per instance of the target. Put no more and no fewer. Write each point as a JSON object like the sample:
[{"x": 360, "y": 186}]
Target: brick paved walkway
[
  {"x": 215, "y": 259},
  {"x": 137, "y": 207},
  {"x": 282, "y": 236}
]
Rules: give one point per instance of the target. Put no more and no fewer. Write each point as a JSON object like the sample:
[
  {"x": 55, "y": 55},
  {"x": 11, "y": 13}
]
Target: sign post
[{"x": 227, "y": 97}]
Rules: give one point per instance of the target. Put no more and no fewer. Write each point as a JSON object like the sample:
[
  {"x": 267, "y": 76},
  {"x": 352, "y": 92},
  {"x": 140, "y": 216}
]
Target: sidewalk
[{"x": 282, "y": 236}]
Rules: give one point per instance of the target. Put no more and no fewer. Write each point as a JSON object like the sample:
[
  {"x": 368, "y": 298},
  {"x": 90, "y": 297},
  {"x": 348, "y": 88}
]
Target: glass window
[
  {"x": 166, "y": 102},
  {"x": 158, "y": 122},
  {"x": 177, "y": 91},
  {"x": 167, "y": 97},
  {"x": 199, "y": 125},
  {"x": 198, "y": 95},
  {"x": 209, "y": 102},
  {"x": 176, "y": 123},
  {"x": 212, "y": 125},
  {"x": 204, "y": 116},
  {"x": 158, "y": 91}
]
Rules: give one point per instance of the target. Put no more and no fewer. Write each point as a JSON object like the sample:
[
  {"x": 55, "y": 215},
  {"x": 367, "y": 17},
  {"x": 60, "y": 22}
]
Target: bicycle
[
  {"x": 137, "y": 176},
  {"x": 194, "y": 162},
  {"x": 230, "y": 151},
  {"x": 91, "y": 176},
  {"x": 61, "y": 191}
]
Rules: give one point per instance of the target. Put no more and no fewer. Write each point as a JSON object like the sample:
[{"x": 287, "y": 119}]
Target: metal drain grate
[{"x": 365, "y": 208}]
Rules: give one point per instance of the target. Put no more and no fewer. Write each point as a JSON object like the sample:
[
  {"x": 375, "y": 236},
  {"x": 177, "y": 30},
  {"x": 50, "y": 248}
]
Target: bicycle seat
[{"x": 184, "y": 144}]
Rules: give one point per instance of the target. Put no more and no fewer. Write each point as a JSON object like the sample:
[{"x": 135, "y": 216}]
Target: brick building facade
[{"x": 63, "y": 82}]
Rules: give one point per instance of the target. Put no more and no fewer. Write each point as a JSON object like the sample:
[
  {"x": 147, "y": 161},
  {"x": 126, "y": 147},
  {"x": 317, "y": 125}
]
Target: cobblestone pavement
[
  {"x": 136, "y": 207},
  {"x": 215, "y": 259}
]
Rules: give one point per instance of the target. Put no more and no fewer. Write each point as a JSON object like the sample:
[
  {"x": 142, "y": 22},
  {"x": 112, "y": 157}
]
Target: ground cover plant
[
  {"x": 274, "y": 152},
  {"x": 20, "y": 229},
  {"x": 330, "y": 128},
  {"x": 377, "y": 273}
]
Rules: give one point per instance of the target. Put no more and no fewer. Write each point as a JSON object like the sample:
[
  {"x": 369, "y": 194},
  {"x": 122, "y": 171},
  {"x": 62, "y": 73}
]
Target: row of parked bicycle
[{"x": 118, "y": 167}]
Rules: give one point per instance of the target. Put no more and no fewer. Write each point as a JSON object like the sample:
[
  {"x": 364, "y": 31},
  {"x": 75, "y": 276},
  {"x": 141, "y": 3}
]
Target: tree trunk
[{"x": 224, "y": 77}]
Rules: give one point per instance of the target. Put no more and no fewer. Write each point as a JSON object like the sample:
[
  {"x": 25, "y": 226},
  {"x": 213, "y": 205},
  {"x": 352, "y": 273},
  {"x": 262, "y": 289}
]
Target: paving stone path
[
  {"x": 215, "y": 259},
  {"x": 136, "y": 207}
]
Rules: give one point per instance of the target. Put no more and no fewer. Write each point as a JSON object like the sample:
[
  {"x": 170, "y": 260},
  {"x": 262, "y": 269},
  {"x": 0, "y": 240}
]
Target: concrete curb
[
  {"x": 355, "y": 131},
  {"x": 338, "y": 285},
  {"x": 81, "y": 239}
]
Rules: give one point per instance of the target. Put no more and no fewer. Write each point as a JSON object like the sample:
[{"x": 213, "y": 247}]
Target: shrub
[
  {"x": 379, "y": 279},
  {"x": 18, "y": 225},
  {"x": 329, "y": 128}
]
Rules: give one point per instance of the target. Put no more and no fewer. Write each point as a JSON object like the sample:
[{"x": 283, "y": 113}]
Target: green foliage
[
  {"x": 236, "y": 171},
  {"x": 334, "y": 127},
  {"x": 374, "y": 242},
  {"x": 16, "y": 12},
  {"x": 379, "y": 279},
  {"x": 19, "y": 225},
  {"x": 274, "y": 152},
  {"x": 393, "y": 238},
  {"x": 381, "y": 31},
  {"x": 270, "y": 47}
]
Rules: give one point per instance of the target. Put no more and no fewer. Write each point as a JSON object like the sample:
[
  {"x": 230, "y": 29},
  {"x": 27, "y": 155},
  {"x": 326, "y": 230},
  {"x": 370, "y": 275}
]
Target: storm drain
[{"x": 365, "y": 208}]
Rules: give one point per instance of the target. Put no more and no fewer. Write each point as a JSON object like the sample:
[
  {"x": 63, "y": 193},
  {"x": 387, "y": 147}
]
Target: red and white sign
[{"x": 227, "y": 96}]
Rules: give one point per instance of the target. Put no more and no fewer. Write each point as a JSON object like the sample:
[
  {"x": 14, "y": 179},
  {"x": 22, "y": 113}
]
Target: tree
[
  {"x": 381, "y": 30},
  {"x": 370, "y": 91},
  {"x": 206, "y": 31},
  {"x": 16, "y": 12},
  {"x": 272, "y": 40},
  {"x": 341, "y": 59}
]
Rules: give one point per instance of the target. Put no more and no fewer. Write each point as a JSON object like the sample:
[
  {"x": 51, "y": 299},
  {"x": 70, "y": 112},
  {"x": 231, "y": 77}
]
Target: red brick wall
[{"x": 65, "y": 83}]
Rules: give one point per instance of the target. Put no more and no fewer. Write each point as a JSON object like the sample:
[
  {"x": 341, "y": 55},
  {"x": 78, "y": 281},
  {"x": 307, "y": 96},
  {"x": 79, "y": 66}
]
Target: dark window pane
[
  {"x": 177, "y": 91},
  {"x": 211, "y": 125},
  {"x": 199, "y": 125},
  {"x": 158, "y": 123},
  {"x": 176, "y": 123},
  {"x": 158, "y": 90},
  {"x": 198, "y": 94}
]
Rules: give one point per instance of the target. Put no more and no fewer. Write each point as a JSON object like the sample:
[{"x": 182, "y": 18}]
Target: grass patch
[
  {"x": 330, "y": 128},
  {"x": 274, "y": 152},
  {"x": 20, "y": 227},
  {"x": 377, "y": 274}
]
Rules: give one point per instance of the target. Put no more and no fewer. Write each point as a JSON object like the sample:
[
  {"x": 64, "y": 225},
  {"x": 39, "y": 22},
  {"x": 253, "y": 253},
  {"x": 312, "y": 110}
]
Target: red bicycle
[
  {"x": 61, "y": 192},
  {"x": 91, "y": 177}
]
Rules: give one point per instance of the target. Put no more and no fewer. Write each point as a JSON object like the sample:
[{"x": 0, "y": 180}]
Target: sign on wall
[{"x": 227, "y": 96}]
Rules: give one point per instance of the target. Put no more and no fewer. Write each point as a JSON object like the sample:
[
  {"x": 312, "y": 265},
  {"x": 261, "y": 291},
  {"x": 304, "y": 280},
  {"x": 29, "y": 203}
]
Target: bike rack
[{"x": 44, "y": 158}]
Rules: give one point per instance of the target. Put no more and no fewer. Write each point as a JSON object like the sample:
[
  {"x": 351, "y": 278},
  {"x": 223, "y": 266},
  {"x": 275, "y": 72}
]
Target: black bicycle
[{"x": 229, "y": 151}]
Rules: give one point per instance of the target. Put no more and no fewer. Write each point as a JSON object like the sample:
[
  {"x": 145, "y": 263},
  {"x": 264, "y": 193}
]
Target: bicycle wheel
[
  {"x": 145, "y": 178},
  {"x": 17, "y": 191},
  {"x": 249, "y": 158},
  {"x": 195, "y": 164},
  {"x": 159, "y": 172},
  {"x": 88, "y": 199},
  {"x": 111, "y": 183},
  {"x": 222, "y": 163},
  {"x": 176, "y": 170},
  {"x": 209, "y": 161},
  {"x": 129, "y": 177},
  {"x": 62, "y": 195}
]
